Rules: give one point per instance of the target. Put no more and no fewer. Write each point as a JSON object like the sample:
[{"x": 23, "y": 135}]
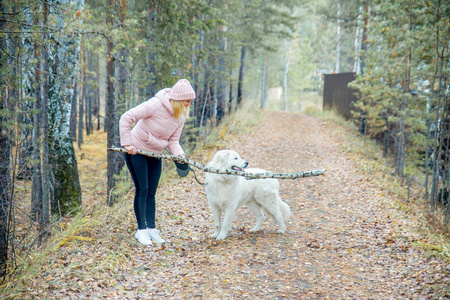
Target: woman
[{"x": 160, "y": 121}]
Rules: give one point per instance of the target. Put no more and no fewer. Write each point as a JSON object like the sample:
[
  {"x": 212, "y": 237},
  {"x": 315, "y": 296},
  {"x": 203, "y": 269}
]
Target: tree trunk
[
  {"x": 81, "y": 105},
  {"x": 121, "y": 99},
  {"x": 5, "y": 180},
  {"x": 386, "y": 139},
  {"x": 362, "y": 126},
  {"x": 66, "y": 189},
  {"x": 109, "y": 119},
  {"x": 220, "y": 96},
  {"x": 37, "y": 188},
  {"x": 263, "y": 82},
  {"x": 203, "y": 110},
  {"x": 199, "y": 108},
  {"x": 401, "y": 137},
  {"x": 110, "y": 114},
  {"x": 26, "y": 120},
  {"x": 73, "y": 110},
  {"x": 356, "y": 60},
  {"x": 44, "y": 221},
  {"x": 427, "y": 159},
  {"x": 121, "y": 80},
  {"x": 241, "y": 78},
  {"x": 88, "y": 95},
  {"x": 122, "y": 87},
  {"x": 338, "y": 39},
  {"x": 285, "y": 73},
  {"x": 152, "y": 88},
  {"x": 400, "y": 148},
  {"x": 97, "y": 90},
  {"x": 5, "y": 154},
  {"x": 230, "y": 92}
]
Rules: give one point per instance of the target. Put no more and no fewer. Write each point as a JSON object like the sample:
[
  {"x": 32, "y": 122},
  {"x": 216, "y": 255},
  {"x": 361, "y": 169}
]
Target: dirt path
[{"x": 344, "y": 240}]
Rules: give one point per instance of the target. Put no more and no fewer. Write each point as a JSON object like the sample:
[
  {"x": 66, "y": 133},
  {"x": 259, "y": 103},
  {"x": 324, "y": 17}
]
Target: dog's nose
[{"x": 246, "y": 164}]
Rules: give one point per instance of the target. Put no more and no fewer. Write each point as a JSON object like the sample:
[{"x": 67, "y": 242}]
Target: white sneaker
[
  {"x": 154, "y": 235},
  {"x": 143, "y": 237}
]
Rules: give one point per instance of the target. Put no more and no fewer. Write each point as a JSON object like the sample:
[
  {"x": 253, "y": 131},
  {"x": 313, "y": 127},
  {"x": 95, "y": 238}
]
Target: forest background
[{"x": 69, "y": 68}]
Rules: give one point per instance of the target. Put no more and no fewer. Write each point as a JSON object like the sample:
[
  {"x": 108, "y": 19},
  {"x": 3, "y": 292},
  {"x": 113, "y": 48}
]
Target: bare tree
[{"x": 5, "y": 145}]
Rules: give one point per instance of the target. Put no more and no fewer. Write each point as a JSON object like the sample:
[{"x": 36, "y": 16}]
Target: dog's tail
[{"x": 285, "y": 210}]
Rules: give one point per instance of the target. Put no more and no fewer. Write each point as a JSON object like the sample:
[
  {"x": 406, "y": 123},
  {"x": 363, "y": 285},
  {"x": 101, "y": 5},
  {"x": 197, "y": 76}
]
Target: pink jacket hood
[{"x": 156, "y": 128}]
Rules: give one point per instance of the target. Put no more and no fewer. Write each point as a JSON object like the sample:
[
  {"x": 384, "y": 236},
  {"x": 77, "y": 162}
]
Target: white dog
[{"x": 226, "y": 193}]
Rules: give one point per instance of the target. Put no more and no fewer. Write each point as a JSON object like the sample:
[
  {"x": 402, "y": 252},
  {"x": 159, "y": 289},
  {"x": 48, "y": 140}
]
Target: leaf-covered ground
[{"x": 347, "y": 238}]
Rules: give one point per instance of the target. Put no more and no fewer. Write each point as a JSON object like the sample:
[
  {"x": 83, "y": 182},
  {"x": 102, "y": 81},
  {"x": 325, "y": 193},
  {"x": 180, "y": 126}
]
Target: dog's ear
[
  {"x": 220, "y": 159},
  {"x": 224, "y": 159},
  {"x": 215, "y": 160}
]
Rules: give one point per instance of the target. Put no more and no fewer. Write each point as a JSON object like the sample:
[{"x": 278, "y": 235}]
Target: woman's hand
[{"x": 130, "y": 149}]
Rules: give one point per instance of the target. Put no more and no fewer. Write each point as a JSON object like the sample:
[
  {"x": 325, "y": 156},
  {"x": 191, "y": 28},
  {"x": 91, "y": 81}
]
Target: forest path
[{"x": 345, "y": 239}]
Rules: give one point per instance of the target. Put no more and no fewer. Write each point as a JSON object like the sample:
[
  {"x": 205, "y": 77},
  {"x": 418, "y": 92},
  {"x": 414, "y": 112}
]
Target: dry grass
[
  {"x": 91, "y": 158},
  {"x": 31, "y": 258}
]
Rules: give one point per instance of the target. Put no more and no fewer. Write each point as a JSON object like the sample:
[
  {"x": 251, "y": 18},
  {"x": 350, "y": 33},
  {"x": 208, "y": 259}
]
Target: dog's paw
[
  {"x": 281, "y": 231},
  {"x": 253, "y": 230},
  {"x": 214, "y": 235},
  {"x": 221, "y": 237}
]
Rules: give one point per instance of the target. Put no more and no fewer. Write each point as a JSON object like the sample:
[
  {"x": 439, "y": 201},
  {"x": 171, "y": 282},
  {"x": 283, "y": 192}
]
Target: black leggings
[{"x": 145, "y": 172}]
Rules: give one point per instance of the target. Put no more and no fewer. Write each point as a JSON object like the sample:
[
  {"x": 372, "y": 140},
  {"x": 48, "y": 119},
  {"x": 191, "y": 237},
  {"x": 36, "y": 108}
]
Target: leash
[{"x": 195, "y": 176}]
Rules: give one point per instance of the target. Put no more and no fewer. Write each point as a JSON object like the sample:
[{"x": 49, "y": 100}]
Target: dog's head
[{"x": 227, "y": 159}]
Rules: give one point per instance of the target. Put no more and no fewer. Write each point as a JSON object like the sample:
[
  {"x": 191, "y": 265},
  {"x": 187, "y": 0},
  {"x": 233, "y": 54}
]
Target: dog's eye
[{"x": 235, "y": 158}]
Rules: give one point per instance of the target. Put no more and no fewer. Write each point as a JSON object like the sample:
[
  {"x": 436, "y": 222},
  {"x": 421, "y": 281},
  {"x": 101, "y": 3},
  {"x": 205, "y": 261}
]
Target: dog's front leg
[
  {"x": 230, "y": 213},
  {"x": 217, "y": 214}
]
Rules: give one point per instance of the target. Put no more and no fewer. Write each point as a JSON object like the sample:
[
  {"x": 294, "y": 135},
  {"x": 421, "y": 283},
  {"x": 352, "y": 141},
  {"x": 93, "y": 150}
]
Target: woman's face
[{"x": 187, "y": 103}]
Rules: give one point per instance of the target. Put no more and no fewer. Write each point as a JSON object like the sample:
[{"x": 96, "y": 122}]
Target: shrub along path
[{"x": 346, "y": 239}]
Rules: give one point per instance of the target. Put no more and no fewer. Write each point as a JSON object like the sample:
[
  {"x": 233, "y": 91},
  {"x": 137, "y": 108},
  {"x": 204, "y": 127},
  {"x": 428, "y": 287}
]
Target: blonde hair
[{"x": 179, "y": 109}]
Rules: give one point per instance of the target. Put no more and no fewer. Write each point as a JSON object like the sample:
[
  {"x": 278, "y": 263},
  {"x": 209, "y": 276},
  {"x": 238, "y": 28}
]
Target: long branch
[{"x": 226, "y": 171}]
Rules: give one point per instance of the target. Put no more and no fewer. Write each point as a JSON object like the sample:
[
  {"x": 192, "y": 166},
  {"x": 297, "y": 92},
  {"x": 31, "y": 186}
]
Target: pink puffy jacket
[{"x": 156, "y": 127}]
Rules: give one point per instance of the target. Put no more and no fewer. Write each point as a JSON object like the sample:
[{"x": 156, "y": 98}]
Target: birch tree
[{"x": 63, "y": 62}]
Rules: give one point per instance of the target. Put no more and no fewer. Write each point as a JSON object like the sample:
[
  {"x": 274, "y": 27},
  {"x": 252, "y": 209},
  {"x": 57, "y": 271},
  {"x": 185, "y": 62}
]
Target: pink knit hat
[{"x": 182, "y": 90}]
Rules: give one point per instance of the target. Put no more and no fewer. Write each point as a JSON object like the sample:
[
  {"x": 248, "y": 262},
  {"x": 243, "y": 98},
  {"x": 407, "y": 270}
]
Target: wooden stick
[{"x": 225, "y": 171}]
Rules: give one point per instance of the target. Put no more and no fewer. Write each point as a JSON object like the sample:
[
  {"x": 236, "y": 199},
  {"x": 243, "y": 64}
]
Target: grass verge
[{"x": 407, "y": 194}]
